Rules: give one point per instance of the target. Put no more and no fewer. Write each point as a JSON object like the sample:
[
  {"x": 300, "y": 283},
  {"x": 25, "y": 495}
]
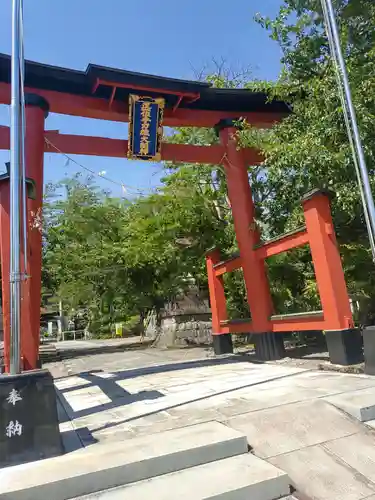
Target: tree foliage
[
  {"x": 115, "y": 258},
  {"x": 310, "y": 148}
]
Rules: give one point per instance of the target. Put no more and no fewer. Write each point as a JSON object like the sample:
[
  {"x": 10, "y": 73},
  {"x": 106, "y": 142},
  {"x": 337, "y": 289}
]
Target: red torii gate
[{"x": 103, "y": 93}]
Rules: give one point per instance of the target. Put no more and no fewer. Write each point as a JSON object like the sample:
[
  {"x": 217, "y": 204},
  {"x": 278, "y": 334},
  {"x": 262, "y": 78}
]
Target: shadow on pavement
[
  {"x": 165, "y": 368},
  {"x": 194, "y": 400},
  {"x": 119, "y": 396},
  {"x": 107, "y": 382}
]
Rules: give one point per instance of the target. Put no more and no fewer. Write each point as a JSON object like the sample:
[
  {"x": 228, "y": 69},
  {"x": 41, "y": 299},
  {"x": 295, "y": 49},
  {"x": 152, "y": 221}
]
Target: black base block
[
  {"x": 29, "y": 428},
  {"x": 223, "y": 344},
  {"x": 345, "y": 347},
  {"x": 369, "y": 349},
  {"x": 269, "y": 346}
]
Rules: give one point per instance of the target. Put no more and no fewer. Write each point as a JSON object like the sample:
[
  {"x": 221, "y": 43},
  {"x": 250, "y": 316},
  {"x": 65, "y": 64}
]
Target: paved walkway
[
  {"x": 284, "y": 411},
  {"x": 94, "y": 344}
]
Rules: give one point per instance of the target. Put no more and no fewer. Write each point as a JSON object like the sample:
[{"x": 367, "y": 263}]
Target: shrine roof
[{"x": 99, "y": 81}]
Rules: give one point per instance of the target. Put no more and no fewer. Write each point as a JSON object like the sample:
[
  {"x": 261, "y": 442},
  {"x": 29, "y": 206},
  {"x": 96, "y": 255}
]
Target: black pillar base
[
  {"x": 223, "y": 344},
  {"x": 345, "y": 346},
  {"x": 29, "y": 427},
  {"x": 269, "y": 346},
  {"x": 369, "y": 349}
]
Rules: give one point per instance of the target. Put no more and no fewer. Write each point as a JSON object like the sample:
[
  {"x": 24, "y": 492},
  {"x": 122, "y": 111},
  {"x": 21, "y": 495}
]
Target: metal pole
[
  {"x": 348, "y": 127},
  {"x": 23, "y": 156},
  {"x": 364, "y": 178},
  {"x": 15, "y": 150},
  {"x": 60, "y": 321}
]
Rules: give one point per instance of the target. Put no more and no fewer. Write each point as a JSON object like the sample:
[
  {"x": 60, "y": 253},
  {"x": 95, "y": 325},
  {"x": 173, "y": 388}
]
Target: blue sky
[{"x": 166, "y": 38}]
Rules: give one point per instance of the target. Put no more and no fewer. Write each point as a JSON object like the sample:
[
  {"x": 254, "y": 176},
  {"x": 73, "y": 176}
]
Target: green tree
[
  {"x": 310, "y": 148},
  {"x": 113, "y": 258},
  {"x": 81, "y": 267}
]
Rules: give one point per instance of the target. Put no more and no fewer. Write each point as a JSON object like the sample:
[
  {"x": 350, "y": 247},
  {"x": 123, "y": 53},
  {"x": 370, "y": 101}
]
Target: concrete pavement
[
  {"x": 200, "y": 461},
  {"x": 286, "y": 412}
]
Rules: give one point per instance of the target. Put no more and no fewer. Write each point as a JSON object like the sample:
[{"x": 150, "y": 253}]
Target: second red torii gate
[{"x": 103, "y": 93}]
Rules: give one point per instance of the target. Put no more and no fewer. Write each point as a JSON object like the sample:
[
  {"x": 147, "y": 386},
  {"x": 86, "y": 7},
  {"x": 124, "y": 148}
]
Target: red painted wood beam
[
  {"x": 117, "y": 148},
  {"x": 283, "y": 244},
  {"x": 228, "y": 266},
  {"x": 298, "y": 324},
  {"x": 282, "y": 325},
  {"x": 236, "y": 328},
  {"x": 94, "y": 107},
  {"x": 142, "y": 88},
  {"x": 4, "y": 137},
  {"x": 69, "y": 104}
]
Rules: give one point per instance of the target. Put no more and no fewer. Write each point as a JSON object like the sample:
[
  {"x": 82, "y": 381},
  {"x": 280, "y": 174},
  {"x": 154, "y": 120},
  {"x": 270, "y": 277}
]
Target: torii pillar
[
  {"x": 36, "y": 111},
  {"x": 268, "y": 344}
]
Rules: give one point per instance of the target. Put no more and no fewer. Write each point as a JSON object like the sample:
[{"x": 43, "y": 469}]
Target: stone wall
[
  {"x": 187, "y": 321},
  {"x": 188, "y": 329},
  {"x": 185, "y": 329}
]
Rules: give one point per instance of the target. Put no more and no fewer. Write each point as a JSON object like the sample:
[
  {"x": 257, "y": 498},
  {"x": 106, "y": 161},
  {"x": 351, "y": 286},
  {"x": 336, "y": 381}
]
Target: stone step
[
  {"x": 241, "y": 478},
  {"x": 48, "y": 352},
  {"x": 104, "y": 466},
  {"x": 360, "y": 404},
  {"x": 370, "y": 424}
]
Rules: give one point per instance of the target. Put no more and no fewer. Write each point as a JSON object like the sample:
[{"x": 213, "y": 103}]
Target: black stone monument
[
  {"x": 345, "y": 347},
  {"x": 29, "y": 427}
]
